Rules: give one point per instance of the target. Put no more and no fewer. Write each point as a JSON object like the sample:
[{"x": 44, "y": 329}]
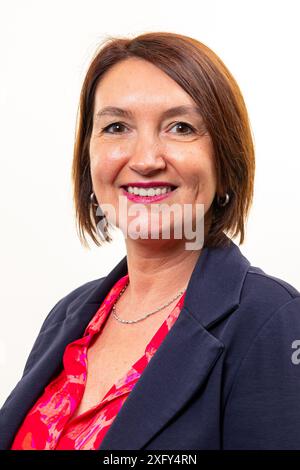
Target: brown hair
[{"x": 202, "y": 74}]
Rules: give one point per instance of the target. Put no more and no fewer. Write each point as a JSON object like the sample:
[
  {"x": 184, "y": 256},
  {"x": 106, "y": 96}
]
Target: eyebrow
[{"x": 168, "y": 113}]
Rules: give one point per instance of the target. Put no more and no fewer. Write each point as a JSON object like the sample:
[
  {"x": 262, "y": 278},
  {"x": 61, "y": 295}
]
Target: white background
[{"x": 46, "y": 47}]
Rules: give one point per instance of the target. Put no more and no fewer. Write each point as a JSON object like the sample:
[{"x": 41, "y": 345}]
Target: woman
[{"x": 179, "y": 347}]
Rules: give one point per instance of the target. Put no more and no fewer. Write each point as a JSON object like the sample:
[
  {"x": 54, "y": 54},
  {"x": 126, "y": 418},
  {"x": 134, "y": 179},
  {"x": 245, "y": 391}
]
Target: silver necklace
[{"x": 147, "y": 314}]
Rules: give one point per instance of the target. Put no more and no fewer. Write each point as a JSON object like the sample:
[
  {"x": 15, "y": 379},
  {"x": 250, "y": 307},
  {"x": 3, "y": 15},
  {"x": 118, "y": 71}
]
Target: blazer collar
[{"x": 214, "y": 287}]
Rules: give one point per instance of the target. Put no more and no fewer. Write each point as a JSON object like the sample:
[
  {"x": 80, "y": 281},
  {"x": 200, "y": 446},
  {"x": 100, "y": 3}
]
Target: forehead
[{"x": 141, "y": 86}]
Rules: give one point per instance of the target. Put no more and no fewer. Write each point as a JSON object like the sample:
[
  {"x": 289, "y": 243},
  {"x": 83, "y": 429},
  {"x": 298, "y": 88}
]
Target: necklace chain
[{"x": 147, "y": 314}]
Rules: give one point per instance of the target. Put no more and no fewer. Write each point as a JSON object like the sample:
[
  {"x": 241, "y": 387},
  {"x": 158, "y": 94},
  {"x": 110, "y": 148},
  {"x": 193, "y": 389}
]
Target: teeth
[{"x": 148, "y": 191}]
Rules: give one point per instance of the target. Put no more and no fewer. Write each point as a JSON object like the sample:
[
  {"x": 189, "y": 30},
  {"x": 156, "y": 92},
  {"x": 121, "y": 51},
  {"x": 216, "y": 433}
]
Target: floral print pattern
[{"x": 49, "y": 424}]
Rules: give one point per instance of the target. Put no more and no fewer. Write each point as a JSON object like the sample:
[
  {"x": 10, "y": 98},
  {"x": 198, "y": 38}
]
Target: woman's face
[{"x": 148, "y": 145}]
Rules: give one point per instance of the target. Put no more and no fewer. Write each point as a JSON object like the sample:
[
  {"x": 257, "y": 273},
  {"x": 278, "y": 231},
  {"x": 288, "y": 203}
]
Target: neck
[{"x": 157, "y": 272}]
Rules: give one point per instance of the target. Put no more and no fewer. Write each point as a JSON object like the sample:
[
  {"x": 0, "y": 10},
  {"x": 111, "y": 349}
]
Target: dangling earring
[
  {"x": 92, "y": 199},
  {"x": 102, "y": 225},
  {"x": 221, "y": 202}
]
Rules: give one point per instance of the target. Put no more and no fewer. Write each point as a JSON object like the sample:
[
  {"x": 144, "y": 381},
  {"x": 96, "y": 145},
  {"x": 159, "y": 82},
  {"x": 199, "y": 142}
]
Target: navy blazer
[{"x": 226, "y": 376}]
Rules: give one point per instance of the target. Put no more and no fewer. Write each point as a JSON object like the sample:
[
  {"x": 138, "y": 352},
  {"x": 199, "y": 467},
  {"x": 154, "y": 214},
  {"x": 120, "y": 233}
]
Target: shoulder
[
  {"x": 78, "y": 295},
  {"x": 262, "y": 296},
  {"x": 60, "y": 312},
  {"x": 274, "y": 304},
  {"x": 266, "y": 322},
  {"x": 262, "y": 385},
  {"x": 269, "y": 307},
  {"x": 265, "y": 283}
]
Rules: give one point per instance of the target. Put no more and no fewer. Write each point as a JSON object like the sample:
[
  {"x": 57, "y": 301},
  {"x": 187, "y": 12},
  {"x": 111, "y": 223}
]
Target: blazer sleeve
[{"x": 262, "y": 411}]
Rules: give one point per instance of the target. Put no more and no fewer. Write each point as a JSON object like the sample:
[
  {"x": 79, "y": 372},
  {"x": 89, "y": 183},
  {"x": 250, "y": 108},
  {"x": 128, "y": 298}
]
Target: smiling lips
[{"x": 147, "y": 192}]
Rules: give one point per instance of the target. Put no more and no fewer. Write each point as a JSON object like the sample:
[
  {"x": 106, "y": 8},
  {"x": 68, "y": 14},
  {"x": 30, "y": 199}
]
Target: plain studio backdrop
[{"x": 45, "y": 51}]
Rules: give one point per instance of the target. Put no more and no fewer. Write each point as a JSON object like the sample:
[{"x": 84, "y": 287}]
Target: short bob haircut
[{"x": 202, "y": 74}]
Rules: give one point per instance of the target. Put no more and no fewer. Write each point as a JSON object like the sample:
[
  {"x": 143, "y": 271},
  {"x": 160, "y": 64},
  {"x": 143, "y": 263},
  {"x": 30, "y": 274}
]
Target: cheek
[
  {"x": 208, "y": 180},
  {"x": 212, "y": 175},
  {"x": 100, "y": 172},
  {"x": 105, "y": 163},
  {"x": 203, "y": 176},
  {"x": 207, "y": 173},
  {"x": 200, "y": 173}
]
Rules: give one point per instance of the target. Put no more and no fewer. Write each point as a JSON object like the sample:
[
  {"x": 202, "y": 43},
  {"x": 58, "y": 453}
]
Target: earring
[
  {"x": 221, "y": 202},
  {"x": 102, "y": 225},
  {"x": 92, "y": 199}
]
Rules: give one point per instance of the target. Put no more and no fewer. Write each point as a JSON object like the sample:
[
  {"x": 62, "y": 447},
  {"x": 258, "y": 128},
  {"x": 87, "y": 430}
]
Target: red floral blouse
[{"x": 49, "y": 425}]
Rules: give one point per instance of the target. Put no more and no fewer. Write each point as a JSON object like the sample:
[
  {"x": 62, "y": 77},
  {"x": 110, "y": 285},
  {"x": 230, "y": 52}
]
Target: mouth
[{"x": 147, "y": 195}]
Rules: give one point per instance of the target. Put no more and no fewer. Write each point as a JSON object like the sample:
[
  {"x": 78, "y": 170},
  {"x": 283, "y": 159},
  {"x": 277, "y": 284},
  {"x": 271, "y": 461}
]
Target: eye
[
  {"x": 114, "y": 124},
  {"x": 120, "y": 125},
  {"x": 184, "y": 125}
]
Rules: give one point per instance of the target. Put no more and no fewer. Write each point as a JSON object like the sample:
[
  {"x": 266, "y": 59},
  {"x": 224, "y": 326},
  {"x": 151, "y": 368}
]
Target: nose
[{"x": 147, "y": 156}]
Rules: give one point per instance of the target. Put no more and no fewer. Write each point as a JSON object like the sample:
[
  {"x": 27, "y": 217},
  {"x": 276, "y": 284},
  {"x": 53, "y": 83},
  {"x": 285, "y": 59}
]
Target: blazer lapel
[
  {"x": 171, "y": 377},
  {"x": 188, "y": 353}
]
